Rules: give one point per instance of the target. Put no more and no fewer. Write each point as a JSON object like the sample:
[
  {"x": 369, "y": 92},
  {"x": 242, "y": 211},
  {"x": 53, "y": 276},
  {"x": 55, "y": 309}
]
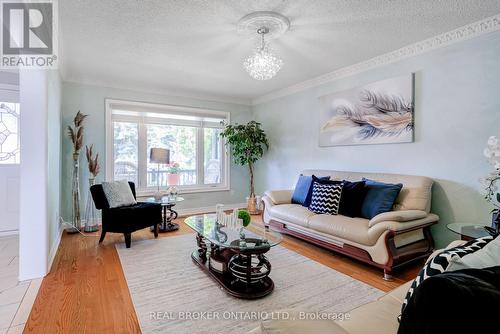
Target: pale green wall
[
  {"x": 54, "y": 158},
  {"x": 457, "y": 107},
  {"x": 90, "y": 100}
]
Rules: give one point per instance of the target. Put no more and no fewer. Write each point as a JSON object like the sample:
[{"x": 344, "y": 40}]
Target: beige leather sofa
[
  {"x": 376, "y": 317},
  {"x": 388, "y": 241}
]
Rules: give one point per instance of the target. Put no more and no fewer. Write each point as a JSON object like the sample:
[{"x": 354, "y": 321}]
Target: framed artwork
[{"x": 376, "y": 113}]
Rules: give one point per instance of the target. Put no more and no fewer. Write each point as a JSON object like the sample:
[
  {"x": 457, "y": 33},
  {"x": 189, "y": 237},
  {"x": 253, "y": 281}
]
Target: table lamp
[{"x": 159, "y": 156}]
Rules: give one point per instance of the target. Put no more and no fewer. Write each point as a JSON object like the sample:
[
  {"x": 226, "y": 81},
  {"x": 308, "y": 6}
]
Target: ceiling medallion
[{"x": 263, "y": 64}]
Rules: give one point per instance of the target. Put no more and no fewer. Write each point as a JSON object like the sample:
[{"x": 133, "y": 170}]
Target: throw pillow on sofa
[
  {"x": 325, "y": 198},
  {"x": 454, "y": 302},
  {"x": 439, "y": 264},
  {"x": 302, "y": 193},
  {"x": 380, "y": 198},
  {"x": 352, "y": 198},
  {"x": 118, "y": 194},
  {"x": 488, "y": 256}
]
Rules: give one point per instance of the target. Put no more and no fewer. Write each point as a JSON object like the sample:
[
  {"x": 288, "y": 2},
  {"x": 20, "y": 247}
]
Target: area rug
[{"x": 172, "y": 295}]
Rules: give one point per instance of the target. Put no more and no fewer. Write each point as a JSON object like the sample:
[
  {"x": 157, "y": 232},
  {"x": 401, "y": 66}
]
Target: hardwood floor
[{"x": 86, "y": 291}]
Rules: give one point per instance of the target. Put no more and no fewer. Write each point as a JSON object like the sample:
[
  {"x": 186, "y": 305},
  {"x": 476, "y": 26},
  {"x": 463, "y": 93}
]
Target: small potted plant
[
  {"x": 245, "y": 217},
  {"x": 173, "y": 174},
  {"x": 247, "y": 143},
  {"x": 492, "y": 152}
]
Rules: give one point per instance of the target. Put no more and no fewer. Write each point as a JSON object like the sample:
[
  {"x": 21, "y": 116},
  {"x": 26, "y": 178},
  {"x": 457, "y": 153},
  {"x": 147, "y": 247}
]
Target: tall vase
[
  {"x": 75, "y": 196},
  {"x": 91, "y": 216},
  {"x": 495, "y": 221}
]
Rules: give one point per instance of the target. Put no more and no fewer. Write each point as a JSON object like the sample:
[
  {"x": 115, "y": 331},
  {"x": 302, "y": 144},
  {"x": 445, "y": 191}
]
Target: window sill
[{"x": 150, "y": 192}]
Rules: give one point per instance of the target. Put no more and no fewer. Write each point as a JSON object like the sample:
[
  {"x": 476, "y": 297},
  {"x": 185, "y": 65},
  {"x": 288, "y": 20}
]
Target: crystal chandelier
[{"x": 263, "y": 64}]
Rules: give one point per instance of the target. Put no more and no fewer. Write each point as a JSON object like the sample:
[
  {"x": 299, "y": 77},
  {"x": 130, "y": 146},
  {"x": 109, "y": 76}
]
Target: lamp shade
[{"x": 159, "y": 155}]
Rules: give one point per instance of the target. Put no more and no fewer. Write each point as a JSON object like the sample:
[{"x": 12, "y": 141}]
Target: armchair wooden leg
[
  {"x": 103, "y": 234},
  {"x": 156, "y": 231},
  {"x": 128, "y": 239}
]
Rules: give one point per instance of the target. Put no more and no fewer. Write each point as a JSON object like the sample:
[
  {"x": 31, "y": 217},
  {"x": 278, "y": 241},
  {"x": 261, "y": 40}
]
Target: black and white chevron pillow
[
  {"x": 325, "y": 198},
  {"x": 440, "y": 262}
]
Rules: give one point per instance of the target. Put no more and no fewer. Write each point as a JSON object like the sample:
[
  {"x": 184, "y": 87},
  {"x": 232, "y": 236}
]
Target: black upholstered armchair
[{"x": 126, "y": 219}]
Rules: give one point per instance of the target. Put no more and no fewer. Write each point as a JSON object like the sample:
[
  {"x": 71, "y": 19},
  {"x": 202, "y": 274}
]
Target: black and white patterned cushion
[
  {"x": 440, "y": 262},
  {"x": 325, "y": 198}
]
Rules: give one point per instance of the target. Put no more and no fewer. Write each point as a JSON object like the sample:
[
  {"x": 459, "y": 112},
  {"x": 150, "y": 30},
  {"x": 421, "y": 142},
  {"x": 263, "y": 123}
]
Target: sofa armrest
[
  {"x": 398, "y": 216},
  {"x": 280, "y": 196},
  {"x": 402, "y": 227}
]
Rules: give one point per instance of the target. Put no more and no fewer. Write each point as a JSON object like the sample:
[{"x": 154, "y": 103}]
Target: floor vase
[
  {"x": 91, "y": 216},
  {"x": 76, "y": 223}
]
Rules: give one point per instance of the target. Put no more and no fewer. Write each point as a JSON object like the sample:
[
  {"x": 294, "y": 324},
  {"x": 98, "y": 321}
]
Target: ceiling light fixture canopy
[{"x": 263, "y": 64}]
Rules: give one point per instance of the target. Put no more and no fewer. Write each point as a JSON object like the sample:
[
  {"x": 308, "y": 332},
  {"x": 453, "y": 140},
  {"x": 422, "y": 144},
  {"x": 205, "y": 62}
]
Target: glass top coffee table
[{"x": 234, "y": 256}]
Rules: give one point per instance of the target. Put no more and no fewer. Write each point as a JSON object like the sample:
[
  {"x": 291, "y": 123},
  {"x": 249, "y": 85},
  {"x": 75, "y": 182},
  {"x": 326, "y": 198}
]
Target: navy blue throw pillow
[
  {"x": 380, "y": 198},
  {"x": 303, "y": 190},
  {"x": 353, "y": 197}
]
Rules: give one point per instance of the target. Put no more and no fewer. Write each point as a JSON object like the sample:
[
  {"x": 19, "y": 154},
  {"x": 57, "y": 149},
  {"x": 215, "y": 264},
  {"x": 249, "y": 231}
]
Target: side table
[
  {"x": 169, "y": 214},
  {"x": 468, "y": 231}
]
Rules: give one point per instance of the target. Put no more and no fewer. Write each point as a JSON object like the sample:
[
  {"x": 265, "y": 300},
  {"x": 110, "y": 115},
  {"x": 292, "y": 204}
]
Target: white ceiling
[{"x": 188, "y": 46}]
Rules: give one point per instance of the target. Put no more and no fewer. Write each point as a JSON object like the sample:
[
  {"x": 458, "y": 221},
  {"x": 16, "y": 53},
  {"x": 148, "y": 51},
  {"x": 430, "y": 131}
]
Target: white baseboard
[
  {"x": 53, "y": 250},
  {"x": 8, "y": 233},
  {"x": 208, "y": 209}
]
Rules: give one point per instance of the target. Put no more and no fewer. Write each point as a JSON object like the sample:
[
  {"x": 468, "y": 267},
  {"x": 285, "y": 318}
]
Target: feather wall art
[{"x": 377, "y": 113}]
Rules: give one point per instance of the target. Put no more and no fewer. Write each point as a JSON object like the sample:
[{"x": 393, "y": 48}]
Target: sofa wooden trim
[{"x": 398, "y": 256}]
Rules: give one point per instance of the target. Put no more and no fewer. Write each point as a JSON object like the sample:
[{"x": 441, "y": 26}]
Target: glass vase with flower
[{"x": 492, "y": 153}]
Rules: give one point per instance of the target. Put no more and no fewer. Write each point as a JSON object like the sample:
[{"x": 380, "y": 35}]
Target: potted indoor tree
[
  {"x": 247, "y": 143},
  {"x": 173, "y": 174}
]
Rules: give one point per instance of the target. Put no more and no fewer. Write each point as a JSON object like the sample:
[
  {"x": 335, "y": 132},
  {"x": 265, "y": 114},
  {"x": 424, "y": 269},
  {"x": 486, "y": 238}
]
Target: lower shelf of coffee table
[{"x": 233, "y": 286}]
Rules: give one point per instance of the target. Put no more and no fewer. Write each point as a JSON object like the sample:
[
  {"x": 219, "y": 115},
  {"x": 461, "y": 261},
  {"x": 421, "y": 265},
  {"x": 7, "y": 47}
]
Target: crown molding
[{"x": 466, "y": 32}]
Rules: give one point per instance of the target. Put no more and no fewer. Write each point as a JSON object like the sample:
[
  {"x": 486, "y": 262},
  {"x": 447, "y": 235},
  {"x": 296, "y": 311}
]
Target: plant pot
[
  {"x": 173, "y": 179},
  {"x": 252, "y": 206}
]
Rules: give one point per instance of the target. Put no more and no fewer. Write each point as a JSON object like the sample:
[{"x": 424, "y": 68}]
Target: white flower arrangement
[{"x": 492, "y": 152}]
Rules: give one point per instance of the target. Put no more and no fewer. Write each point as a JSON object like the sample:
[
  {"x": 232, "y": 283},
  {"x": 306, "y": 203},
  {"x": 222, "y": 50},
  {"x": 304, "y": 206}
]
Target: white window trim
[{"x": 165, "y": 108}]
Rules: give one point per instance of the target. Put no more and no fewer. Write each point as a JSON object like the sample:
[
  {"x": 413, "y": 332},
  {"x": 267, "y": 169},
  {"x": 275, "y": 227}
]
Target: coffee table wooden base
[{"x": 230, "y": 284}]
